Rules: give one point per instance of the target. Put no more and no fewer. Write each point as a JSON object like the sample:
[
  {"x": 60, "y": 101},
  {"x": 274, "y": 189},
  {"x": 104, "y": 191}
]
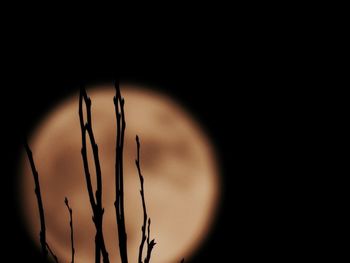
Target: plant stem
[
  {"x": 150, "y": 244},
  {"x": 119, "y": 180},
  {"x": 51, "y": 252},
  {"x": 71, "y": 227},
  {"x": 96, "y": 202},
  {"x": 40, "y": 202}
]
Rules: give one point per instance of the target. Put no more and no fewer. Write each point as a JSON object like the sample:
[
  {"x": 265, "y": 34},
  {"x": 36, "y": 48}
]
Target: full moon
[{"x": 178, "y": 161}]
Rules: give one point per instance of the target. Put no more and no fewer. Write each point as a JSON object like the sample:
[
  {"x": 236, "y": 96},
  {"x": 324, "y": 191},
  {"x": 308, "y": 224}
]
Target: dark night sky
[{"x": 243, "y": 93}]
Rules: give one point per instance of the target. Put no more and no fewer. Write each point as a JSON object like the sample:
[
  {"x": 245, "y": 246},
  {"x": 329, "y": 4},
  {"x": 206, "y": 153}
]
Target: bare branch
[
  {"x": 83, "y": 149},
  {"x": 51, "y": 252},
  {"x": 119, "y": 180},
  {"x": 143, "y": 228},
  {"x": 96, "y": 202},
  {"x": 150, "y": 244},
  {"x": 71, "y": 227},
  {"x": 40, "y": 202}
]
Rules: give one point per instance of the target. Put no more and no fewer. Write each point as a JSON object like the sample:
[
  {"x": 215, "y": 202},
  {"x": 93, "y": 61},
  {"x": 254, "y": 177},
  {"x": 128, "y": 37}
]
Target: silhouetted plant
[
  {"x": 150, "y": 244},
  {"x": 119, "y": 180},
  {"x": 71, "y": 227},
  {"x": 44, "y": 245},
  {"x": 96, "y": 204},
  {"x": 96, "y": 200},
  {"x": 51, "y": 253}
]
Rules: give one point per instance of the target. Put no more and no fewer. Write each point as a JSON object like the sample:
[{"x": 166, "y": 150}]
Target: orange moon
[{"x": 182, "y": 184}]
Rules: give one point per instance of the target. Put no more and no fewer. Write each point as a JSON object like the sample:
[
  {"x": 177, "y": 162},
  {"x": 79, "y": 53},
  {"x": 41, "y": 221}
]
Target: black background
[{"x": 240, "y": 86}]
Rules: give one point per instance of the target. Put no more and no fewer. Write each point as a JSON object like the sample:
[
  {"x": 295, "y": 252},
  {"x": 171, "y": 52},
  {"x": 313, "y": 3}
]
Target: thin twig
[
  {"x": 143, "y": 228},
  {"x": 40, "y": 202},
  {"x": 51, "y": 252},
  {"x": 96, "y": 202},
  {"x": 71, "y": 227},
  {"x": 119, "y": 180},
  {"x": 150, "y": 244}
]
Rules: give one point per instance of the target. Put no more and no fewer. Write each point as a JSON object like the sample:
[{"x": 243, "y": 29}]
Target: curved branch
[
  {"x": 40, "y": 202},
  {"x": 51, "y": 252},
  {"x": 71, "y": 227}
]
